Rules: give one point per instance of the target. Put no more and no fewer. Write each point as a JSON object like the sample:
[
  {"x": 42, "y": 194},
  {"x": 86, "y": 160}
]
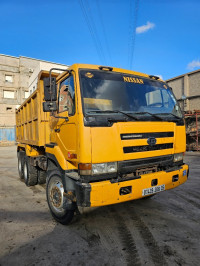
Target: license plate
[{"x": 153, "y": 190}]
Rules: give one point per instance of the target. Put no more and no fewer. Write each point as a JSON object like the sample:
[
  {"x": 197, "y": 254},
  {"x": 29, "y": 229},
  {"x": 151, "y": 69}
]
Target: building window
[
  {"x": 9, "y": 94},
  {"x": 26, "y": 94},
  {"x": 8, "y": 78},
  {"x": 9, "y": 109}
]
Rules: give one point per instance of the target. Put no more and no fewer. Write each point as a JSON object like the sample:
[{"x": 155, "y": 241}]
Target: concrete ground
[{"x": 163, "y": 230}]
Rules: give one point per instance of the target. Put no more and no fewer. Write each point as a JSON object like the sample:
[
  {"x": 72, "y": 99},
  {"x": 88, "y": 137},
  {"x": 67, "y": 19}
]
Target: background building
[
  {"x": 187, "y": 90},
  {"x": 18, "y": 78}
]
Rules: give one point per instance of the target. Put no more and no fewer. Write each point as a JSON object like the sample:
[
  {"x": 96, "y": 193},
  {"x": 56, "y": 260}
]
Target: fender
[
  {"x": 53, "y": 167},
  {"x": 54, "y": 149},
  {"x": 30, "y": 150}
]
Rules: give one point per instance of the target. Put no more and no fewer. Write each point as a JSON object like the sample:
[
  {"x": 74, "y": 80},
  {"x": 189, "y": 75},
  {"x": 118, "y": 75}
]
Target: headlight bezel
[
  {"x": 98, "y": 168},
  {"x": 178, "y": 157},
  {"x": 104, "y": 168}
]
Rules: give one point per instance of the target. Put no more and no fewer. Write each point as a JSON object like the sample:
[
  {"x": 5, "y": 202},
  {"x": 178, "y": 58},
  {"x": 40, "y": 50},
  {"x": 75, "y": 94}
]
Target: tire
[
  {"x": 42, "y": 175},
  {"x": 54, "y": 193},
  {"x": 30, "y": 173},
  {"x": 21, "y": 156}
]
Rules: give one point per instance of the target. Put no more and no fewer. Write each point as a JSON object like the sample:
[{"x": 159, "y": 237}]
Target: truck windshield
[{"x": 104, "y": 91}]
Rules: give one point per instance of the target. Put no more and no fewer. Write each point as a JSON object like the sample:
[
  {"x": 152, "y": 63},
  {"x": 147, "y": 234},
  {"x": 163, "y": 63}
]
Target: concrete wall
[
  {"x": 178, "y": 87},
  {"x": 8, "y": 66},
  {"x": 188, "y": 85},
  {"x": 18, "y": 68},
  {"x": 7, "y": 114},
  {"x": 194, "y": 84}
]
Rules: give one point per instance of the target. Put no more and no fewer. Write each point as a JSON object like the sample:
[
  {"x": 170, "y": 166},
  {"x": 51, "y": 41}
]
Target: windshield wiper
[
  {"x": 176, "y": 116},
  {"x": 156, "y": 116},
  {"x": 114, "y": 111}
]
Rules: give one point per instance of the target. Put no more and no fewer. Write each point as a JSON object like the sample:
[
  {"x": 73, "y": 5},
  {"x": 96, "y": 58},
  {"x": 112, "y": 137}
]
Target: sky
[{"x": 157, "y": 37}]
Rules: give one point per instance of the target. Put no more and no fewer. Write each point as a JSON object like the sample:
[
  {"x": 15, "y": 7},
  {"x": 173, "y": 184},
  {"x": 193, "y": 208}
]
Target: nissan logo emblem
[{"x": 151, "y": 141}]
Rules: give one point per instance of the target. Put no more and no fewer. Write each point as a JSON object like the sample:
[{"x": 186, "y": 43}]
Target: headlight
[
  {"x": 178, "y": 157},
  {"x": 102, "y": 168},
  {"x": 97, "y": 168}
]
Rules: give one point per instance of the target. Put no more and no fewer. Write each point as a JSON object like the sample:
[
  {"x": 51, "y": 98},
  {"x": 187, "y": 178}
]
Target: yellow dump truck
[{"x": 100, "y": 135}]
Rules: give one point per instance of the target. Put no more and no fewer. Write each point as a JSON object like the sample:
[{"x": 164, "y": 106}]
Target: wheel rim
[
  {"x": 56, "y": 191},
  {"x": 25, "y": 172}
]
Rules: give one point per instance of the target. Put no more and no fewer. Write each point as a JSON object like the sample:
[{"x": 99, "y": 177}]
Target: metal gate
[{"x": 7, "y": 134}]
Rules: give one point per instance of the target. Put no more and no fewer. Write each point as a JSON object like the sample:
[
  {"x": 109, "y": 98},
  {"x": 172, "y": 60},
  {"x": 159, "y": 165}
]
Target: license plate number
[{"x": 153, "y": 190}]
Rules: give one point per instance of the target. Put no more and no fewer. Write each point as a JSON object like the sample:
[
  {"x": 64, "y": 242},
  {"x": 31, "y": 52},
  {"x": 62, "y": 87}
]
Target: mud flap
[
  {"x": 83, "y": 194},
  {"x": 68, "y": 204}
]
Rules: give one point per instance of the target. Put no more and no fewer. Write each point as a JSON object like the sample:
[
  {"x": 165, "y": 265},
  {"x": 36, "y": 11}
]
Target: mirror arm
[{"x": 59, "y": 69}]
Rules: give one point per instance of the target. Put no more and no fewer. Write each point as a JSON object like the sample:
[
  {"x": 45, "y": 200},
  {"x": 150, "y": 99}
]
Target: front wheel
[{"x": 55, "y": 199}]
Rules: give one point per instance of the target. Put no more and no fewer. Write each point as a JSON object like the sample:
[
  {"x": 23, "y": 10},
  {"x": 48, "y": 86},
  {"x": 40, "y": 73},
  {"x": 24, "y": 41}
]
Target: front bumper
[{"x": 108, "y": 192}]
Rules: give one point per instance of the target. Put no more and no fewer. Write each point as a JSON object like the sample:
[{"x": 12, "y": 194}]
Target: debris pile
[{"x": 192, "y": 122}]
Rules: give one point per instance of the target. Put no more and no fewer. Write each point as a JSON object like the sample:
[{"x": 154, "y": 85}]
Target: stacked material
[{"x": 192, "y": 122}]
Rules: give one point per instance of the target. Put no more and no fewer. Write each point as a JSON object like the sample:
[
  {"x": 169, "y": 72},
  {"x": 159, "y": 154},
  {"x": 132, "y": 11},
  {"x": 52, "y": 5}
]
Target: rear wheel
[
  {"x": 30, "y": 173},
  {"x": 55, "y": 199},
  {"x": 21, "y": 156},
  {"x": 42, "y": 176}
]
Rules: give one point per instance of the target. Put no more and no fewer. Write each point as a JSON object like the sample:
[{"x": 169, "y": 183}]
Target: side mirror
[
  {"x": 49, "y": 106},
  {"x": 50, "y": 94}
]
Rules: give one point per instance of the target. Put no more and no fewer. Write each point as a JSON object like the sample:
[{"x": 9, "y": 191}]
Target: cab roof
[{"x": 114, "y": 69}]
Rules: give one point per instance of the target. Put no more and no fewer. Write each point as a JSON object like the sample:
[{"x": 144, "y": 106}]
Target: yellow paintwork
[
  {"x": 30, "y": 150},
  {"x": 67, "y": 139},
  {"x": 105, "y": 192},
  {"x": 64, "y": 164},
  {"x": 180, "y": 139},
  {"x": 32, "y": 124},
  {"x": 106, "y": 142}
]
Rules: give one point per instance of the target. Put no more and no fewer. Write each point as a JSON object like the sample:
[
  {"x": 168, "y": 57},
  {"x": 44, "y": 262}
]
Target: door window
[{"x": 67, "y": 96}]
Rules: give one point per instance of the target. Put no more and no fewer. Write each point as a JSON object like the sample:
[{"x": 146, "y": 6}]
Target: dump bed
[{"x": 32, "y": 124}]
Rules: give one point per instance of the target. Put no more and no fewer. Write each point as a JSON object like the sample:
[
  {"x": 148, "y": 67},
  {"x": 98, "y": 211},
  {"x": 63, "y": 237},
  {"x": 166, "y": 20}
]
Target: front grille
[
  {"x": 147, "y": 135},
  {"x": 144, "y": 148},
  {"x": 132, "y": 165}
]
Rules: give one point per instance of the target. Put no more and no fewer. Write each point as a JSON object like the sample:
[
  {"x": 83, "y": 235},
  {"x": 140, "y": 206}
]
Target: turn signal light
[{"x": 85, "y": 168}]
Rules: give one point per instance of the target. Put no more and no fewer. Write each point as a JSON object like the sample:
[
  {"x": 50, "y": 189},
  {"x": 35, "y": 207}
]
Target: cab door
[{"x": 66, "y": 131}]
